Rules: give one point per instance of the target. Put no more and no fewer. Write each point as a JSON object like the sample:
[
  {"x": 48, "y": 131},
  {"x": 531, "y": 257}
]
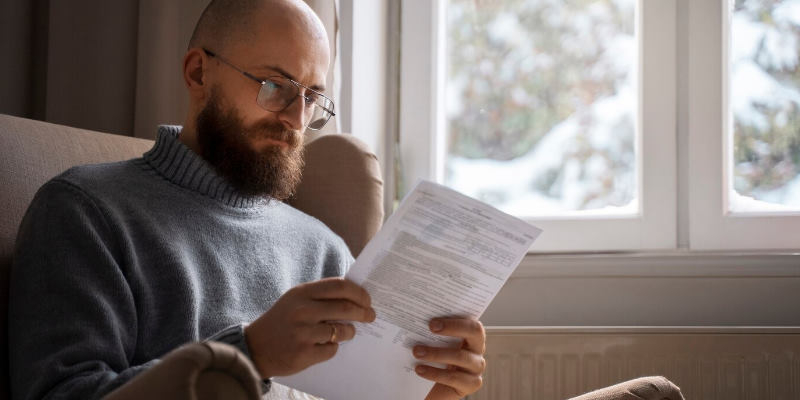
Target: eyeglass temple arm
[{"x": 245, "y": 73}]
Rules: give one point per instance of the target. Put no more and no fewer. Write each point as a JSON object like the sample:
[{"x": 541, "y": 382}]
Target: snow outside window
[
  {"x": 540, "y": 105},
  {"x": 560, "y": 112},
  {"x": 764, "y": 102},
  {"x": 744, "y": 124}
]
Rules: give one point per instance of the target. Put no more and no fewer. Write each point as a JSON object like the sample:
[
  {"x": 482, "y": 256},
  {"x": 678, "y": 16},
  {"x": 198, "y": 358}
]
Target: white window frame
[
  {"x": 711, "y": 225},
  {"x": 654, "y": 227}
]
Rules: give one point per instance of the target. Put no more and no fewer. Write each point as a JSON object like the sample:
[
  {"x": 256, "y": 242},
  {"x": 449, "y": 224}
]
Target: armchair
[{"x": 341, "y": 187}]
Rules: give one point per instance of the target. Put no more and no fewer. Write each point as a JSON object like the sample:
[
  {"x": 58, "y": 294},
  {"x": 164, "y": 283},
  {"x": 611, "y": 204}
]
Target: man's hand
[
  {"x": 465, "y": 365},
  {"x": 294, "y": 334}
]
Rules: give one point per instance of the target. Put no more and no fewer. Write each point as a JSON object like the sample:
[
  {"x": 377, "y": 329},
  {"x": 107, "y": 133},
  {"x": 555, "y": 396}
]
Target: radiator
[{"x": 706, "y": 363}]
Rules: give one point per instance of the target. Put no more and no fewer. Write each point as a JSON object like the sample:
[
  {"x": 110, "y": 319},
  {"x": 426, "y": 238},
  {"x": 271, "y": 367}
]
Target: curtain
[
  {"x": 112, "y": 66},
  {"x": 70, "y": 62}
]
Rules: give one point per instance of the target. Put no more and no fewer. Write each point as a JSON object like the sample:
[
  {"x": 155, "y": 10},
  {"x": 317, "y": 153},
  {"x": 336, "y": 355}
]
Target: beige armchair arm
[
  {"x": 647, "y": 388},
  {"x": 197, "y": 371}
]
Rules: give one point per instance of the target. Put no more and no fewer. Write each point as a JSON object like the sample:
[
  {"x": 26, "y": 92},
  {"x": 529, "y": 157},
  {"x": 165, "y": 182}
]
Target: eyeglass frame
[{"x": 263, "y": 82}]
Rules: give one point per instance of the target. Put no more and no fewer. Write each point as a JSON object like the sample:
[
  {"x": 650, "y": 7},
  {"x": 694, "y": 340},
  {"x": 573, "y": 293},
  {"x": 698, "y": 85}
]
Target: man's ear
[{"x": 194, "y": 72}]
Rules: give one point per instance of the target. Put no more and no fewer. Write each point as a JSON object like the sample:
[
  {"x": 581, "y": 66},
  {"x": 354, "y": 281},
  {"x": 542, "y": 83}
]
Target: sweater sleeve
[
  {"x": 72, "y": 316},
  {"x": 234, "y": 335}
]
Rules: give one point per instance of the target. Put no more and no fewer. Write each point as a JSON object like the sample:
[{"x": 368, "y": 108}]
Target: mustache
[{"x": 274, "y": 131}]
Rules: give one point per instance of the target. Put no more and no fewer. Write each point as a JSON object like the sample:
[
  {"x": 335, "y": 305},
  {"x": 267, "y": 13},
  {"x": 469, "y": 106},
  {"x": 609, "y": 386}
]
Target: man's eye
[
  {"x": 272, "y": 85},
  {"x": 311, "y": 98}
]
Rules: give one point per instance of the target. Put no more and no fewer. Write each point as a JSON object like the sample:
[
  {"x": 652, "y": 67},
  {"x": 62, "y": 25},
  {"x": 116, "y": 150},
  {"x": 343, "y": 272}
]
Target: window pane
[
  {"x": 765, "y": 103},
  {"x": 541, "y": 99}
]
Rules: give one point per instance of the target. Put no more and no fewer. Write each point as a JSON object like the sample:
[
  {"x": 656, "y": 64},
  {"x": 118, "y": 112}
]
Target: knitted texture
[{"x": 117, "y": 264}]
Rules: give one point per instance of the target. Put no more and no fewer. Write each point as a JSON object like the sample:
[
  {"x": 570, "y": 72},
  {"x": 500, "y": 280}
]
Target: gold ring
[{"x": 333, "y": 334}]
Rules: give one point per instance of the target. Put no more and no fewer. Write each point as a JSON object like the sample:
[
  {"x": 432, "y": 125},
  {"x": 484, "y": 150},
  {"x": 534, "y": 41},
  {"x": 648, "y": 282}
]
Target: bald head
[
  {"x": 227, "y": 21},
  {"x": 252, "y": 41}
]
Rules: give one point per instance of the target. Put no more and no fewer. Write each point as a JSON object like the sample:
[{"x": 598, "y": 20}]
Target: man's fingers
[
  {"x": 463, "y": 376},
  {"x": 337, "y": 288},
  {"x": 461, "y": 382},
  {"x": 468, "y": 329},
  {"x": 342, "y": 310},
  {"x": 344, "y": 332},
  {"x": 331, "y": 332},
  {"x": 466, "y": 360},
  {"x": 324, "y": 352}
]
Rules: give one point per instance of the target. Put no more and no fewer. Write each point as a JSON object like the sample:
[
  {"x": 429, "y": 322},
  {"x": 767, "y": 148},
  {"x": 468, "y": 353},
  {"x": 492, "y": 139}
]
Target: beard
[{"x": 225, "y": 143}]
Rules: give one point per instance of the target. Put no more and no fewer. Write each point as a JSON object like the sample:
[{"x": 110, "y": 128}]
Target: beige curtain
[
  {"x": 112, "y": 66},
  {"x": 70, "y": 62}
]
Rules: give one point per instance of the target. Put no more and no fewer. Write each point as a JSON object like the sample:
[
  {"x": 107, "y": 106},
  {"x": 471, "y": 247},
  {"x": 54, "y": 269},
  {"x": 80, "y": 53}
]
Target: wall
[
  {"x": 364, "y": 68},
  {"x": 664, "y": 289}
]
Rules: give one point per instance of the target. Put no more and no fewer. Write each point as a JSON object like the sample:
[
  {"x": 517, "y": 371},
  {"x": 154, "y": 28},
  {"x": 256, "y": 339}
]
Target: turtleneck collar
[{"x": 180, "y": 165}]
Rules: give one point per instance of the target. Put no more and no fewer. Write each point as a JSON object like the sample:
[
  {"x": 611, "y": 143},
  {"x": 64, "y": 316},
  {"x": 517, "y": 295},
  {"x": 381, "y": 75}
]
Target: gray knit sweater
[{"x": 117, "y": 264}]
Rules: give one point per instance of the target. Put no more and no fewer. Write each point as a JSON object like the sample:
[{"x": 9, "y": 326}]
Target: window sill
[
  {"x": 677, "y": 263},
  {"x": 639, "y": 330}
]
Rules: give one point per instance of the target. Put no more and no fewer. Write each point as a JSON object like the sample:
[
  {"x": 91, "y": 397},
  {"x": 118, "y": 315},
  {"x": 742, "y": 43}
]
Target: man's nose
[{"x": 293, "y": 116}]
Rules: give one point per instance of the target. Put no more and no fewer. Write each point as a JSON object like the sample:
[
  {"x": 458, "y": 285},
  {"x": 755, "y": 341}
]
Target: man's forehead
[{"x": 288, "y": 50}]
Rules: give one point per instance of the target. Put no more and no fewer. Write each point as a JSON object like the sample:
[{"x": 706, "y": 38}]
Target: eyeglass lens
[{"x": 278, "y": 92}]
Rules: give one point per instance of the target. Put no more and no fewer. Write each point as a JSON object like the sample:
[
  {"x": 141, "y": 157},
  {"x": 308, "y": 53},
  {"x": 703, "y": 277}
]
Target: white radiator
[{"x": 706, "y": 363}]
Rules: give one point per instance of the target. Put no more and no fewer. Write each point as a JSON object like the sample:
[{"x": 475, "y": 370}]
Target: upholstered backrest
[
  {"x": 32, "y": 152},
  {"x": 341, "y": 185}
]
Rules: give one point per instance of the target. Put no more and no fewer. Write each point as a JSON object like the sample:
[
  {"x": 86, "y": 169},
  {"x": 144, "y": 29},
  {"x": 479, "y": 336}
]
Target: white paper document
[{"x": 440, "y": 254}]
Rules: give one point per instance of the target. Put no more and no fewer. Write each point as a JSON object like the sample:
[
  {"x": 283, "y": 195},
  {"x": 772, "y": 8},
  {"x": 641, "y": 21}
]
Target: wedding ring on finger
[{"x": 334, "y": 332}]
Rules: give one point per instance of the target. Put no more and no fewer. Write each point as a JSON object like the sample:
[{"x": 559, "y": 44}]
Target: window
[
  {"x": 540, "y": 105},
  {"x": 764, "y": 102},
  {"x": 743, "y": 124},
  {"x": 546, "y": 110},
  {"x": 565, "y": 113}
]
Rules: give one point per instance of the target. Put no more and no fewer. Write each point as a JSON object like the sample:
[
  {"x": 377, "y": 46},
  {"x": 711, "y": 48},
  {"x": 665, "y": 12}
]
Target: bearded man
[{"x": 117, "y": 264}]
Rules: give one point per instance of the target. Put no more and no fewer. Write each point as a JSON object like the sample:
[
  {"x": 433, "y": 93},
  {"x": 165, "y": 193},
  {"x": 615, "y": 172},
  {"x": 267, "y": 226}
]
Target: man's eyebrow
[{"x": 283, "y": 72}]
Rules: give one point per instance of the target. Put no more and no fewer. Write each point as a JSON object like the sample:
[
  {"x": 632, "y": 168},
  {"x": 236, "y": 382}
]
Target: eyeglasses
[{"x": 278, "y": 92}]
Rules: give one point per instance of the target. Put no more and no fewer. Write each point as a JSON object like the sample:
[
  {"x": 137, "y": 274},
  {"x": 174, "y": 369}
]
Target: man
[{"x": 118, "y": 264}]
